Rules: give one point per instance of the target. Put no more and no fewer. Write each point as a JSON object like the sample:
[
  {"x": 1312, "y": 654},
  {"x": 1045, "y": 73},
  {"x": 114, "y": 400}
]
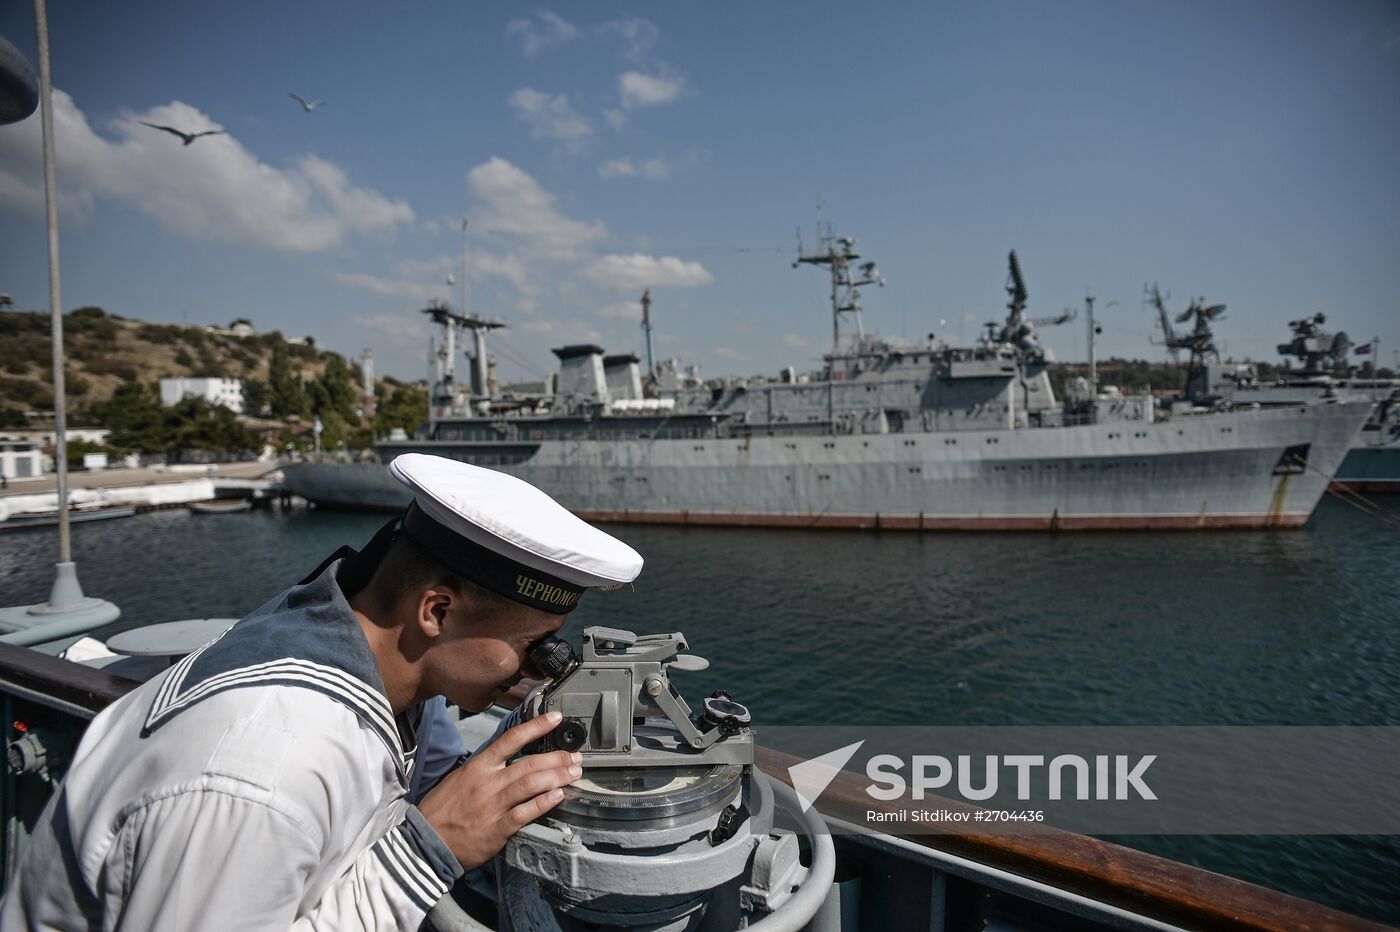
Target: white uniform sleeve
[{"x": 214, "y": 860}]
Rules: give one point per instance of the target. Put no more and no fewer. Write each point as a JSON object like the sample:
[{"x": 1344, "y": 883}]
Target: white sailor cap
[{"x": 506, "y": 535}]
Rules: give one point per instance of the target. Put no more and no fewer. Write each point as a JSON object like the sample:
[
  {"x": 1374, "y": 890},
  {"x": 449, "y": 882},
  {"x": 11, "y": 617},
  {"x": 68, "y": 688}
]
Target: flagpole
[
  {"x": 60, "y": 408},
  {"x": 68, "y": 614}
]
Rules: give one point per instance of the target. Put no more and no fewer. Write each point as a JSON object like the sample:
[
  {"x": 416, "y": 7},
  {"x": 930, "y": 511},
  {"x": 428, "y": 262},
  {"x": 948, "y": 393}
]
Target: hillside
[
  {"x": 109, "y": 356},
  {"x": 104, "y": 351}
]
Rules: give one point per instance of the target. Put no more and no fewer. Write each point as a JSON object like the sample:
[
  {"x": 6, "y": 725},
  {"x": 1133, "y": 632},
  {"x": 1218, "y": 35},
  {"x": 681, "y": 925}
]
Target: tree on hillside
[
  {"x": 405, "y": 407},
  {"x": 334, "y": 392},
  {"x": 195, "y": 424},
  {"x": 135, "y": 418},
  {"x": 77, "y": 449},
  {"x": 332, "y": 399},
  {"x": 140, "y": 424},
  {"x": 257, "y": 398},
  {"x": 90, "y": 321},
  {"x": 288, "y": 396}
]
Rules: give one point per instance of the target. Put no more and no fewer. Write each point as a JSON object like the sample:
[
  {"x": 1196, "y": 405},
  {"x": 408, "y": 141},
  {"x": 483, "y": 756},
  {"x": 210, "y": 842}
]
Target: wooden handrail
[
  {"x": 72, "y": 684},
  {"x": 1139, "y": 883}
]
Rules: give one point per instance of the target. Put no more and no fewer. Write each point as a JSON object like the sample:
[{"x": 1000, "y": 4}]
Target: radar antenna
[
  {"x": 1199, "y": 341},
  {"x": 1341, "y": 345},
  {"x": 1016, "y": 288},
  {"x": 1019, "y": 330},
  {"x": 838, "y": 254},
  {"x": 1319, "y": 352},
  {"x": 1153, "y": 295}
]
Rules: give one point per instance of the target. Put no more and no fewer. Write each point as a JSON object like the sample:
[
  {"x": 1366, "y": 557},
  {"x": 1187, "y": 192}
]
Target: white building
[
  {"x": 226, "y": 392},
  {"x": 239, "y": 328},
  {"x": 21, "y": 458}
]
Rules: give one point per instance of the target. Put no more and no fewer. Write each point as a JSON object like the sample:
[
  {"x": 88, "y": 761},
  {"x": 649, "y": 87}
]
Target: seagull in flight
[
  {"x": 187, "y": 137},
  {"x": 307, "y": 105}
]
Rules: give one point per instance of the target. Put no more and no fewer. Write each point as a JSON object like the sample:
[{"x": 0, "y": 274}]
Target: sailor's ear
[{"x": 435, "y": 608}]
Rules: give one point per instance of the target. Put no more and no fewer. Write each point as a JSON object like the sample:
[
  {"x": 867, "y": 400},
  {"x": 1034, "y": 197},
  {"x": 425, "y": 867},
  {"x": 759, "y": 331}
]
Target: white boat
[
  {"x": 75, "y": 515},
  {"x": 222, "y": 506}
]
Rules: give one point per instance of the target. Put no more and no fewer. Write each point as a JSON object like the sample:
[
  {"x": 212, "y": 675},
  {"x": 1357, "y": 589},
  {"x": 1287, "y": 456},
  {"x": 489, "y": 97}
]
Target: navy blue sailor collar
[{"x": 307, "y": 637}]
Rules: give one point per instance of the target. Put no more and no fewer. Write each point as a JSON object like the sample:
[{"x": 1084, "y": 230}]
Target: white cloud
[
  {"x": 646, "y": 90},
  {"x": 617, "y": 168},
  {"x": 638, "y": 35},
  {"x": 724, "y": 352},
  {"x": 359, "y": 209},
  {"x": 653, "y": 169},
  {"x": 794, "y": 340},
  {"x": 642, "y": 271},
  {"x": 558, "y": 284},
  {"x": 387, "y": 287},
  {"x": 572, "y": 330},
  {"x": 547, "y": 30},
  {"x": 213, "y": 189},
  {"x": 622, "y": 310},
  {"x": 511, "y": 268},
  {"x": 397, "y": 327},
  {"x": 515, "y": 205},
  {"x": 422, "y": 279},
  {"x": 657, "y": 169},
  {"x": 549, "y": 116}
]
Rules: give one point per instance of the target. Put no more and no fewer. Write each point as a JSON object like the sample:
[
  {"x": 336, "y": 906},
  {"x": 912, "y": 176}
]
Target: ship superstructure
[
  {"x": 1321, "y": 375},
  {"x": 886, "y": 433}
]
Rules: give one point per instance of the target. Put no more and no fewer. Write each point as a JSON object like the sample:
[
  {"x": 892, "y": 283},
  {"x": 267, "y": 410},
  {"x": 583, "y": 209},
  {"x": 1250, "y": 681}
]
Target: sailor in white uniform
[{"x": 264, "y": 781}]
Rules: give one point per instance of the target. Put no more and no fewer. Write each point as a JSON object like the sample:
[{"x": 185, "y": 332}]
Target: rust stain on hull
[{"x": 1280, "y": 492}]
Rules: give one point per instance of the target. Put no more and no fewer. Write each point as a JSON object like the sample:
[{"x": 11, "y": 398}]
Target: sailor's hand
[
  {"x": 528, "y": 707},
  {"x": 476, "y": 807}
]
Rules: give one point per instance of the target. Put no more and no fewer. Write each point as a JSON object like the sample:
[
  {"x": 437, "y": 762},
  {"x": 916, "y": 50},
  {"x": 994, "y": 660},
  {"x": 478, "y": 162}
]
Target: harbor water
[{"x": 814, "y": 627}]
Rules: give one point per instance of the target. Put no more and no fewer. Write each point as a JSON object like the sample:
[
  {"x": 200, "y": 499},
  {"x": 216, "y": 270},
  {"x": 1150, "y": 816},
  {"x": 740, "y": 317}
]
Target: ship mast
[
  {"x": 646, "y": 325},
  {"x": 837, "y": 254},
  {"x": 1153, "y": 295},
  {"x": 445, "y": 372},
  {"x": 1200, "y": 343}
]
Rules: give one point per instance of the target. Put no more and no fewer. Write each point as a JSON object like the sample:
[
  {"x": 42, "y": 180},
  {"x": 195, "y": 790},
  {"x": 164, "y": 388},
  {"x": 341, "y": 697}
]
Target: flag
[{"x": 1363, "y": 350}]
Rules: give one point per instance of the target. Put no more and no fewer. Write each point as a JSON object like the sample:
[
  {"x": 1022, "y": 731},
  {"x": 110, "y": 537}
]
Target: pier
[{"x": 147, "y": 488}]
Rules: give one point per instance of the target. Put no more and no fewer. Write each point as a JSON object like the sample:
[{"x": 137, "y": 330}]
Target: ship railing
[{"x": 1048, "y": 880}]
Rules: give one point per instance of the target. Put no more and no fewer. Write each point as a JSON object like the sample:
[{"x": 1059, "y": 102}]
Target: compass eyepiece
[{"x": 549, "y": 657}]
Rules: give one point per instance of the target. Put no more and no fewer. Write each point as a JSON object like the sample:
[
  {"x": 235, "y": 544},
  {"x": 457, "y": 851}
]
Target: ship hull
[
  {"x": 1371, "y": 469},
  {"x": 1255, "y": 469}
]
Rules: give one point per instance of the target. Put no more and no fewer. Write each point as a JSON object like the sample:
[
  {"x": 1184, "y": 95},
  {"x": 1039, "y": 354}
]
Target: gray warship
[
  {"x": 1322, "y": 375},
  {"x": 887, "y": 434}
]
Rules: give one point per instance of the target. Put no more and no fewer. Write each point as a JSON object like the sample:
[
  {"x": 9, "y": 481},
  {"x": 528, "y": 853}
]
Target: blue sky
[{"x": 1246, "y": 152}]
